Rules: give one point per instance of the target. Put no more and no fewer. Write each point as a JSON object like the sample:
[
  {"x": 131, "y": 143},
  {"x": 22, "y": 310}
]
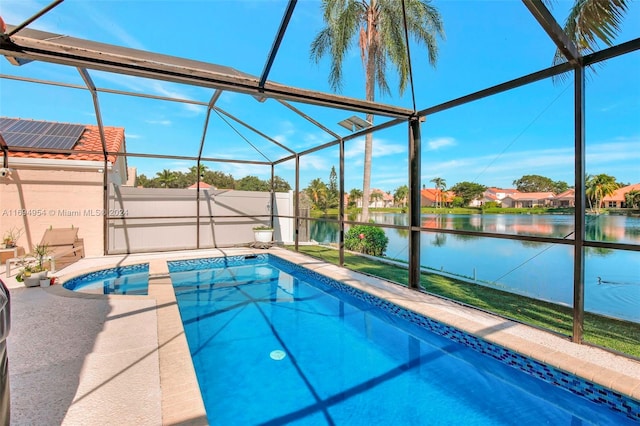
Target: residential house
[
  {"x": 494, "y": 194},
  {"x": 565, "y": 199},
  {"x": 528, "y": 199},
  {"x": 380, "y": 199},
  {"x": 432, "y": 197},
  {"x": 60, "y": 188},
  {"x": 617, "y": 199}
]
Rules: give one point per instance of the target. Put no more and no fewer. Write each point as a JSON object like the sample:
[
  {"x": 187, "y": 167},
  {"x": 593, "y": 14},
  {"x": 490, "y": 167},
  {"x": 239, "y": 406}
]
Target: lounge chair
[{"x": 64, "y": 248}]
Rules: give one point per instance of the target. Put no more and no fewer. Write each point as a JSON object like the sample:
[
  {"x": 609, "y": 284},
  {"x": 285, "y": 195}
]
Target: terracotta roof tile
[{"x": 619, "y": 194}]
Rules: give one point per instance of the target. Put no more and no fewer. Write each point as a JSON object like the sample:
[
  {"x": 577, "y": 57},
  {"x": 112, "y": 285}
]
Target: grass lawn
[{"x": 622, "y": 336}]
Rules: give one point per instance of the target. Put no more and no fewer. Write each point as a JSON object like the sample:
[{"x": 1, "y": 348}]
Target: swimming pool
[
  {"x": 273, "y": 343},
  {"x": 133, "y": 279}
]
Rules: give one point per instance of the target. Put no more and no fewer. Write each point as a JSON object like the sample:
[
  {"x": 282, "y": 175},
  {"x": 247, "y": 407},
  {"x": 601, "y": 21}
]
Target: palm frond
[{"x": 589, "y": 22}]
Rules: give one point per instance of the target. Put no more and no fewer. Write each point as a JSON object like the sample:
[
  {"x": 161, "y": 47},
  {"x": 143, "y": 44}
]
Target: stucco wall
[{"x": 34, "y": 200}]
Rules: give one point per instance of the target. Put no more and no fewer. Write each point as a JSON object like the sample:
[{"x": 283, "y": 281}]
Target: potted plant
[
  {"x": 35, "y": 274},
  {"x": 11, "y": 236},
  {"x": 263, "y": 234},
  {"x": 27, "y": 275}
]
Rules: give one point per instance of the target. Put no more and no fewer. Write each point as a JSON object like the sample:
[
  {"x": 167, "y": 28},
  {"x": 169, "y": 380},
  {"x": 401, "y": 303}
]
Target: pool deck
[{"x": 88, "y": 359}]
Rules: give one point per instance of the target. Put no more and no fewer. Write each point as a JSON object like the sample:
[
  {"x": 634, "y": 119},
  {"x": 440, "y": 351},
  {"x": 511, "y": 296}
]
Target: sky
[{"x": 492, "y": 142}]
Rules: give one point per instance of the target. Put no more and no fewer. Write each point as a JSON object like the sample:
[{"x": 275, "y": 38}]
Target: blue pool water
[
  {"x": 274, "y": 344},
  {"x": 132, "y": 279}
]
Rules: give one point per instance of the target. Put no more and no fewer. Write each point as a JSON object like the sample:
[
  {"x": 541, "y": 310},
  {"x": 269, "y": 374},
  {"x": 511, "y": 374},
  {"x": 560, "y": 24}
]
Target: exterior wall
[{"x": 35, "y": 199}]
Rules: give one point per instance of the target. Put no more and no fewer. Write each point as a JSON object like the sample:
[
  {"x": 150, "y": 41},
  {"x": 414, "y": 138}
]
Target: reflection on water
[{"x": 540, "y": 270}]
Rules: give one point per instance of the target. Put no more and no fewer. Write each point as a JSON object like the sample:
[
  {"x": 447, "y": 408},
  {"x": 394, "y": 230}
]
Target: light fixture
[{"x": 355, "y": 123}]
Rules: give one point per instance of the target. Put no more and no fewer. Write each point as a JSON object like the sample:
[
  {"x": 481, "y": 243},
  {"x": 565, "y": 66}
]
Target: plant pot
[
  {"x": 45, "y": 282},
  {"x": 31, "y": 281},
  {"x": 34, "y": 279},
  {"x": 263, "y": 235}
]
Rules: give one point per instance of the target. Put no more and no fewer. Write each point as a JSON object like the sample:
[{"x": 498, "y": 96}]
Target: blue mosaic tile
[
  {"x": 106, "y": 274},
  {"x": 214, "y": 262}
]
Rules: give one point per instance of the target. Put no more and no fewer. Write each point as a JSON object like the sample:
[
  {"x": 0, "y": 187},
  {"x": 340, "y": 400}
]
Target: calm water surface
[{"x": 540, "y": 270}]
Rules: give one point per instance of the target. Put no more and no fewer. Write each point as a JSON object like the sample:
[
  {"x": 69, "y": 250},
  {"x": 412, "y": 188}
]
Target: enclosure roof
[{"x": 29, "y": 44}]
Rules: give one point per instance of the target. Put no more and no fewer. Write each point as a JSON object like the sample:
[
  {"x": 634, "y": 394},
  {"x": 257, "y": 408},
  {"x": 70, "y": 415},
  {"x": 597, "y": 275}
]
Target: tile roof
[
  {"x": 619, "y": 193},
  {"x": 385, "y": 196},
  {"x": 89, "y": 141},
  {"x": 569, "y": 193},
  {"x": 433, "y": 194},
  {"x": 203, "y": 185}
]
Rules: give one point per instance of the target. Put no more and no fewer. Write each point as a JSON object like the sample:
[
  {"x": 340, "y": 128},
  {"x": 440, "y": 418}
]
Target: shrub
[{"x": 366, "y": 239}]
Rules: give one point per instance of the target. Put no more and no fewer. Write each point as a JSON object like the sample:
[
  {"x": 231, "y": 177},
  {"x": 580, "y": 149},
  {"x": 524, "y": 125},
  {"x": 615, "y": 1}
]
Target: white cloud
[
  {"x": 436, "y": 144},
  {"x": 159, "y": 122},
  {"x": 381, "y": 148},
  {"x": 555, "y": 163}
]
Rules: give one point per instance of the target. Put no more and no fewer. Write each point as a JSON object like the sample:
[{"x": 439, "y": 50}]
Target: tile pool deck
[{"x": 91, "y": 359}]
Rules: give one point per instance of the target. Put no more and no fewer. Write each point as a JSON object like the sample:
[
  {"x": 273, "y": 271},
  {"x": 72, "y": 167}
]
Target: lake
[{"x": 540, "y": 270}]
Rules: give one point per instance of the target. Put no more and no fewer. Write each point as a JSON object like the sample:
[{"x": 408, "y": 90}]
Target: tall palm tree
[
  {"x": 590, "y": 21},
  {"x": 440, "y": 184},
  {"x": 598, "y": 187},
  {"x": 378, "y": 26}
]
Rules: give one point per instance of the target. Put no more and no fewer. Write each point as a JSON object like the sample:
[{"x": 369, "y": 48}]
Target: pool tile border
[
  {"x": 71, "y": 283},
  {"x": 594, "y": 392}
]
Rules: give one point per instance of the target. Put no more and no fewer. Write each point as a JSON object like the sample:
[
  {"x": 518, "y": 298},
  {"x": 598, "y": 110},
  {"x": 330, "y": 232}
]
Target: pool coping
[{"x": 180, "y": 393}]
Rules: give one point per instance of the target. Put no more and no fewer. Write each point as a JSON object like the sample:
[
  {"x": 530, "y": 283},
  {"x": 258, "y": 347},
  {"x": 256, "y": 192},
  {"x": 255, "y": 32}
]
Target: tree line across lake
[{"x": 326, "y": 195}]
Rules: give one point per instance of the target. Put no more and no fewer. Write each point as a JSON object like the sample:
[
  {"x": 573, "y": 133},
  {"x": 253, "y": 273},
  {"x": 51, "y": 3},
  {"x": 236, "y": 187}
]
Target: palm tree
[
  {"x": 600, "y": 186},
  {"x": 590, "y": 21},
  {"x": 632, "y": 199},
  {"x": 317, "y": 191},
  {"x": 165, "y": 178},
  {"x": 400, "y": 195},
  {"x": 354, "y": 195},
  {"x": 440, "y": 184},
  {"x": 195, "y": 171},
  {"x": 376, "y": 196},
  {"x": 378, "y": 26}
]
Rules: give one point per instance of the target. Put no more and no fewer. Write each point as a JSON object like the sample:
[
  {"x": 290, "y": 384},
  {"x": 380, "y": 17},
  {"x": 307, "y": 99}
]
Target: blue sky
[{"x": 492, "y": 142}]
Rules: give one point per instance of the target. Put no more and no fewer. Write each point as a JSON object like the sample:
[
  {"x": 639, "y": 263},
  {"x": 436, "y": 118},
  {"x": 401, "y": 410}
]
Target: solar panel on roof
[{"x": 40, "y": 134}]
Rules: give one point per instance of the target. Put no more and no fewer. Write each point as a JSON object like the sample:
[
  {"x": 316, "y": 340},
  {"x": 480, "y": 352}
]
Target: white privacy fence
[{"x": 153, "y": 219}]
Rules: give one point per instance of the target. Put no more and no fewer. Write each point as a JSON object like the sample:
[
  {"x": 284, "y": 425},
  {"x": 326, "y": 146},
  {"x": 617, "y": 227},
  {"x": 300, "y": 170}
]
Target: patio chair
[{"x": 64, "y": 246}]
